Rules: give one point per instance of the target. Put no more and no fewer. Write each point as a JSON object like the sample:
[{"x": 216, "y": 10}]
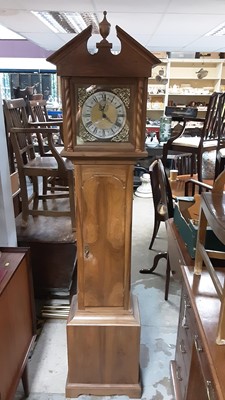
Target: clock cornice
[{"x": 74, "y": 59}]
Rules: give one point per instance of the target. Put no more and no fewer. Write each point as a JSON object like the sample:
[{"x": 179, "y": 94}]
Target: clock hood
[{"x": 74, "y": 59}]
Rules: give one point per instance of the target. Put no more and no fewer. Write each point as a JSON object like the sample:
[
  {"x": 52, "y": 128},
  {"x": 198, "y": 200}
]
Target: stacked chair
[{"x": 34, "y": 165}]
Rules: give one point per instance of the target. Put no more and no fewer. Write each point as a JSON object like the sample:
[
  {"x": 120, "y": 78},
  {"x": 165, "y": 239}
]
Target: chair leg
[
  {"x": 158, "y": 257},
  {"x": 25, "y": 381},
  {"x": 24, "y": 199},
  {"x": 152, "y": 269},
  {"x": 167, "y": 279},
  {"x": 35, "y": 192},
  {"x": 155, "y": 231},
  {"x": 44, "y": 183},
  {"x": 199, "y": 168}
]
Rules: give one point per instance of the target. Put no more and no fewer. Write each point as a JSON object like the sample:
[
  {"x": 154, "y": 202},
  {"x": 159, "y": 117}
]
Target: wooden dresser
[
  {"x": 198, "y": 371},
  {"x": 17, "y": 320}
]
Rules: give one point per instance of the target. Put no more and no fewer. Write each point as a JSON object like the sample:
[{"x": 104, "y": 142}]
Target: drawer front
[
  {"x": 198, "y": 348},
  {"x": 186, "y": 322},
  {"x": 184, "y": 343}
]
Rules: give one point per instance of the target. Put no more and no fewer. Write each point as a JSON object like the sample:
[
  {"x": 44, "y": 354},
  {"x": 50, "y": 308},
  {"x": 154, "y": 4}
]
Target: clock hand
[
  {"x": 106, "y": 117},
  {"x": 102, "y": 106}
]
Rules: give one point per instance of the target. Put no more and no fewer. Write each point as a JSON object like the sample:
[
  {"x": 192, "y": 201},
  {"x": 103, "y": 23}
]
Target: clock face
[{"x": 104, "y": 115}]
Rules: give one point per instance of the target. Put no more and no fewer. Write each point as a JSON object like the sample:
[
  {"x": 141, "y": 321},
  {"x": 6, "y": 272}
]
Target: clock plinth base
[
  {"x": 74, "y": 390},
  {"x": 103, "y": 352}
]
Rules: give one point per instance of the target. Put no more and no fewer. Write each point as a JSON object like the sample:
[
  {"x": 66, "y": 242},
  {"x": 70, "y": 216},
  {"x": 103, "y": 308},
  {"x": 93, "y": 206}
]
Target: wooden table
[{"x": 172, "y": 158}]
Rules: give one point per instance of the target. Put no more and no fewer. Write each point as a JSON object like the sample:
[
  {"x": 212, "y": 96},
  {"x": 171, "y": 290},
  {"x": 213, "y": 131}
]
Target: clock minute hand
[{"x": 102, "y": 106}]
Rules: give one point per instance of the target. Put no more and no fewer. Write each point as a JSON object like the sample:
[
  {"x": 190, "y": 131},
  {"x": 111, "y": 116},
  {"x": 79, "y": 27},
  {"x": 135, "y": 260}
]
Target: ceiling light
[
  {"x": 218, "y": 31},
  {"x": 67, "y": 22},
  {"x": 7, "y": 34}
]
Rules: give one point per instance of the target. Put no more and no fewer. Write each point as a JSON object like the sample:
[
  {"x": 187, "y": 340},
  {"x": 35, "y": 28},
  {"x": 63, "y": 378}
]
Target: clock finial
[
  {"x": 104, "y": 29},
  {"x": 104, "y": 26}
]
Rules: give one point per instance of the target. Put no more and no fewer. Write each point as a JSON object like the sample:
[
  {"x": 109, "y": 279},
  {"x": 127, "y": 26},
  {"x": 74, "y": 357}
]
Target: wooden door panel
[
  {"x": 103, "y": 206},
  {"x": 103, "y": 237}
]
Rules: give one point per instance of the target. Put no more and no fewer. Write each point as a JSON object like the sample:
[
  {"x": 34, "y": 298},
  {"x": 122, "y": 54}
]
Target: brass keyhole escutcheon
[{"x": 86, "y": 251}]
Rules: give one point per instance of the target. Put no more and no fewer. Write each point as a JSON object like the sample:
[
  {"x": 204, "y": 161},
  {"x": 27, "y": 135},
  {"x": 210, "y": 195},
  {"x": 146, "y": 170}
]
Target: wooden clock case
[{"x": 103, "y": 329}]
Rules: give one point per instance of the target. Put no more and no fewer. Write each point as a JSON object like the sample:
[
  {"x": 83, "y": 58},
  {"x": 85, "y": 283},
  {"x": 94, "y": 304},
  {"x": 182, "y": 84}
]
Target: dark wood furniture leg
[
  {"x": 25, "y": 381},
  {"x": 157, "y": 258}
]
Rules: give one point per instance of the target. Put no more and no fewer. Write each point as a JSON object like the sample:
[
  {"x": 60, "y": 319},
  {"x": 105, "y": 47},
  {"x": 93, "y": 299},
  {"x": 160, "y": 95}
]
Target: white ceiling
[{"x": 159, "y": 25}]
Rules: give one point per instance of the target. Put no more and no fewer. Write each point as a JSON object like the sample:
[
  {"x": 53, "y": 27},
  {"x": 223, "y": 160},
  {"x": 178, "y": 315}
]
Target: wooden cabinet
[
  {"x": 17, "y": 320},
  {"x": 198, "y": 368}
]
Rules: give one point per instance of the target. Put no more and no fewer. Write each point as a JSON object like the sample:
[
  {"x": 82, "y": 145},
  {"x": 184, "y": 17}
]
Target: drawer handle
[
  {"x": 186, "y": 306},
  {"x": 186, "y": 302},
  {"x": 210, "y": 390},
  {"x": 184, "y": 323},
  {"x": 197, "y": 344},
  {"x": 178, "y": 374},
  {"x": 182, "y": 347}
]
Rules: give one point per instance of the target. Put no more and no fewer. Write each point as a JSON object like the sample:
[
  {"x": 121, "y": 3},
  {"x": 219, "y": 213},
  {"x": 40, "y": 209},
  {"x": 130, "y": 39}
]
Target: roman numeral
[{"x": 89, "y": 124}]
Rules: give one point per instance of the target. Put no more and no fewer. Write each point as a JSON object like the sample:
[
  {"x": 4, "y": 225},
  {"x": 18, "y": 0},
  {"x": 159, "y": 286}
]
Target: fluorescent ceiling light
[
  {"x": 67, "y": 22},
  {"x": 218, "y": 31},
  {"x": 7, "y": 34}
]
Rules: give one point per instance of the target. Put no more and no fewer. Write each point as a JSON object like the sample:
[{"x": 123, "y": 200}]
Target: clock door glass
[{"x": 103, "y": 115}]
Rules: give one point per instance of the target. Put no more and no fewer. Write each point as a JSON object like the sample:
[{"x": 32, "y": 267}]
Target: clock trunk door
[{"x": 104, "y": 231}]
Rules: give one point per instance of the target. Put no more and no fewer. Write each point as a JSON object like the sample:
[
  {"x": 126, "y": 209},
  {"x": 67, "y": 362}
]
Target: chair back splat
[
  {"x": 163, "y": 210},
  {"x": 220, "y": 151},
  {"x": 38, "y": 113},
  {"x": 162, "y": 196}
]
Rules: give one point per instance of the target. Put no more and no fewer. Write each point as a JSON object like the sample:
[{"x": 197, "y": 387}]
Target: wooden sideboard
[
  {"x": 17, "y": 320},
  {"x": 198, "y": 368}
]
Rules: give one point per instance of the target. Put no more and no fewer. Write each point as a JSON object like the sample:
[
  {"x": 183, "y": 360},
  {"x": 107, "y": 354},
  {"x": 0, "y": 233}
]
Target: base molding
[{"x": 76, "y": 389}]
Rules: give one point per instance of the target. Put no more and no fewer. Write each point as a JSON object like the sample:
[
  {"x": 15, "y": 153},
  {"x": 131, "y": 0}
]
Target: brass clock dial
[{"x": 104, "y": 115}]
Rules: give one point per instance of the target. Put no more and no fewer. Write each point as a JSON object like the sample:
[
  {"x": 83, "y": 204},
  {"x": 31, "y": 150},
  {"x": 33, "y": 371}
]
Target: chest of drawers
[{"x": 198, "y": 370}]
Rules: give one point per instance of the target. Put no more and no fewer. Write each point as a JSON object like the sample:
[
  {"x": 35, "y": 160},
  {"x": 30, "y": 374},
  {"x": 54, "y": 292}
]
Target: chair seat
[
  {"x": 188, "y": 141},
  {"x": 48, "y": 163},
  {"x": 221, "y": 152}
]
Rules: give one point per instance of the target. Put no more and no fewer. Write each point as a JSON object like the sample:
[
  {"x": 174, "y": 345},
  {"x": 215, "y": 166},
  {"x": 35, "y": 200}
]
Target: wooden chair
[
  {"x": 196, "y": 145},
  {"x": 163, "y": 206},
  {"x": 159, "y": 208},
  {"x": 31, "y": 165},
  {"x": 191, "y": 184},
  {"x": 38, "y": 112},
  {"x": 220, "y": 153}
]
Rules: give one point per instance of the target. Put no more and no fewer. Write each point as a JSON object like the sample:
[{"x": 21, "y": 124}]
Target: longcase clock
[{"x": 104, "y": 99}]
